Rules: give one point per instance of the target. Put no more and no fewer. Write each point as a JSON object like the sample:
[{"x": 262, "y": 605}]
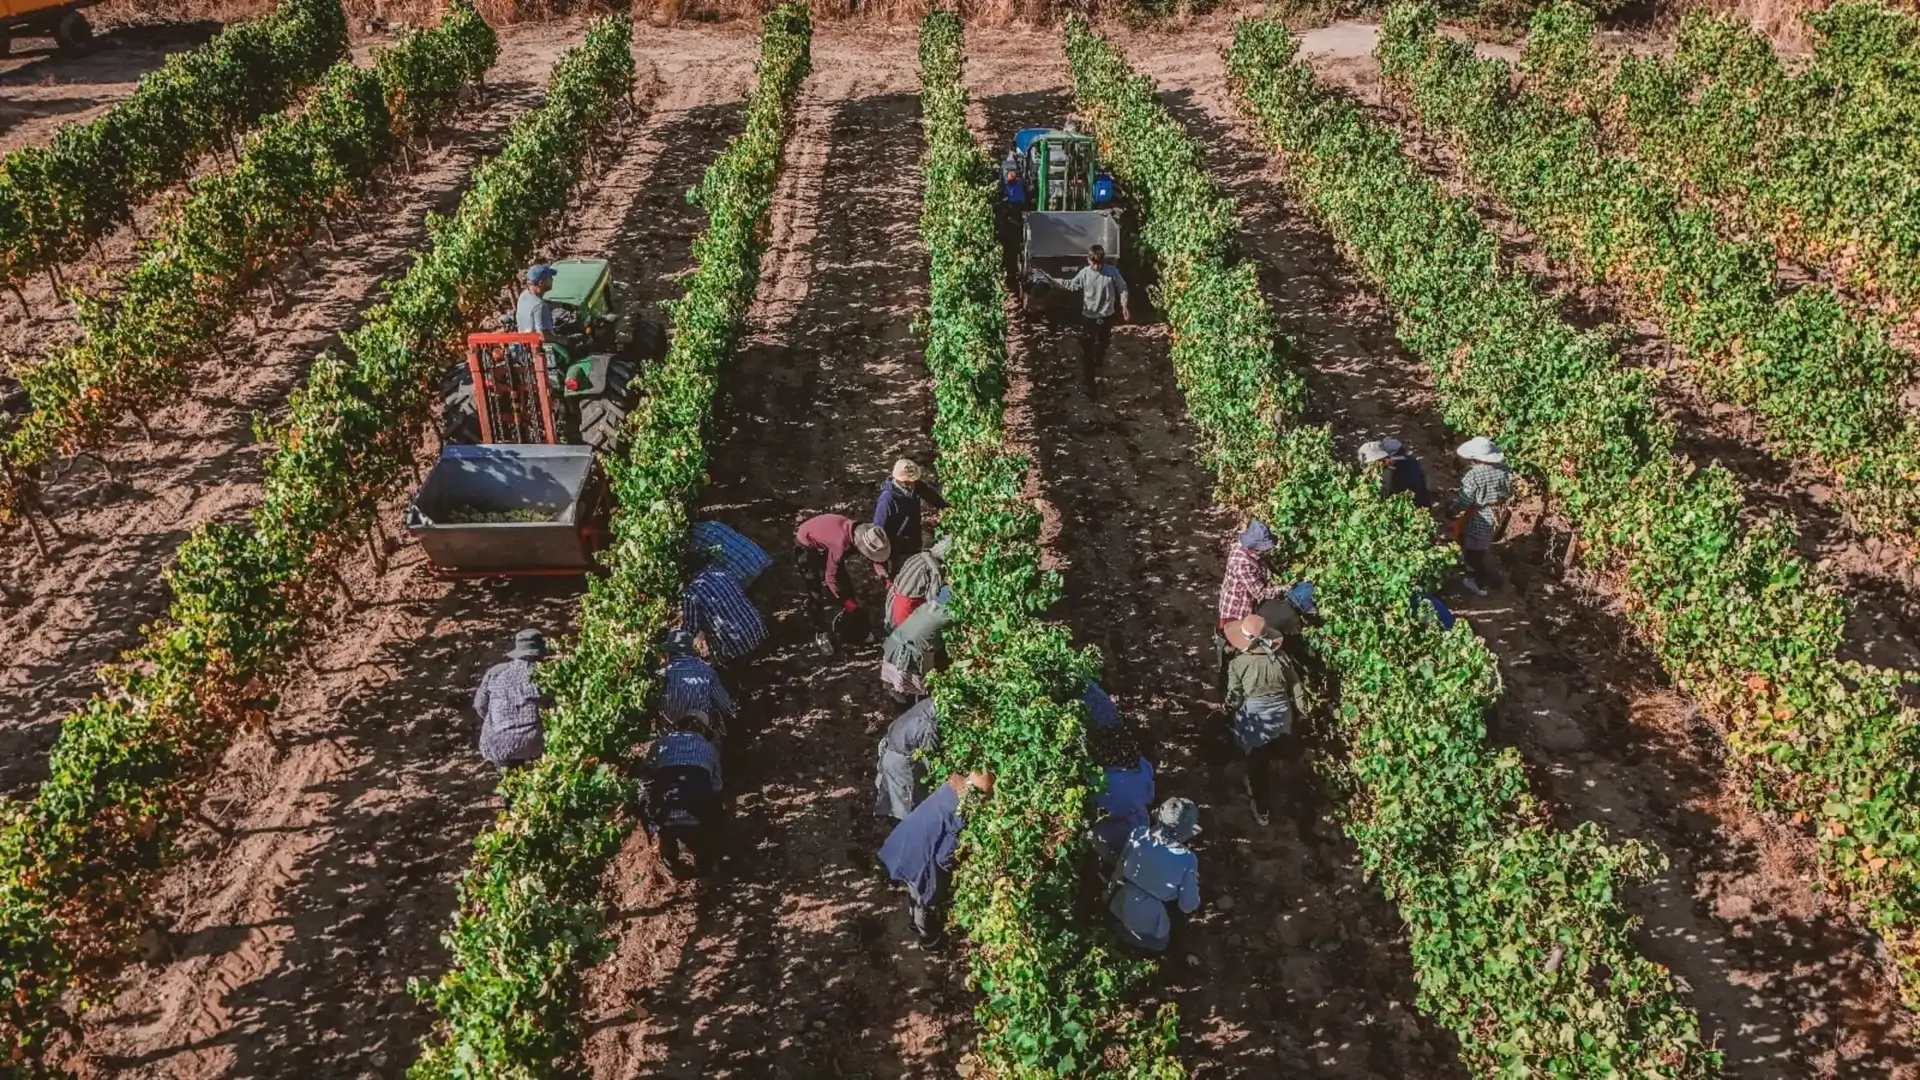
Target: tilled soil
[
  {"x": 791, "y": 959},
  {"x": 86, "y": 601},
  {"x": 1782, "y": 979},
  {"x": 1295, "y": 965},
  {"x": 296, "y": 926}
]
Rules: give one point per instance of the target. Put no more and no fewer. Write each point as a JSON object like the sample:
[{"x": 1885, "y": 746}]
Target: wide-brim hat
[
  {"x": 906, "y": 470},
  {"x": 871, "y": 540},
  {"x": 1481, "y": 448},
  {"x": 528, "y": 645},
  {"x": 1258, "y": 537},
  {"x": 1373, "y": 452},
  {"x": 1241, "y": 634},
  {"x": 1177, "y": 819}
]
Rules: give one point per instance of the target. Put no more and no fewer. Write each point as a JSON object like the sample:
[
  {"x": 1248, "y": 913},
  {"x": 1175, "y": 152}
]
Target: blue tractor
[
  {"x": 1053, "y": 181},
  {"x": 1054, "y": 170}
]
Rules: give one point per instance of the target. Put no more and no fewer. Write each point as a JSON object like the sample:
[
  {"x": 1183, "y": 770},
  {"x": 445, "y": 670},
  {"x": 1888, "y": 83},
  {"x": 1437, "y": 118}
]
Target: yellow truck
[{"x": 37, "y": 18}]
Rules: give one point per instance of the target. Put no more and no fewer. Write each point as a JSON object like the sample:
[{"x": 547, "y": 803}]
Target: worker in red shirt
[{"x": 820, "y": 546}]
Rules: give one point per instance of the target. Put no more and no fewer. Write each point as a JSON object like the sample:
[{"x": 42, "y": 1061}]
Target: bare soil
[
  {"x": 295, "y": 925},
  {"x": 1782, "y": 979},
  {"x": 295, "y": 922},
  {"x": 84, "y": 604}
]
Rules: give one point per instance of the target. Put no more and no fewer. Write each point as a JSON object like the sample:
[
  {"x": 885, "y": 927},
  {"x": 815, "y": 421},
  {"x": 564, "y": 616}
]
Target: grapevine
[
  {"x": 76, "y": 860},
  {"x": 1824, "y": 382},
  {"x": 1056, "y": 1000},
  {"x": 1520, "y": 944},
  {"x": 299, "y": 170},
  {"x": 54, "y": 201},
  {"x": 531, "y": 919},
  {"x": 1735, "y": 616}
]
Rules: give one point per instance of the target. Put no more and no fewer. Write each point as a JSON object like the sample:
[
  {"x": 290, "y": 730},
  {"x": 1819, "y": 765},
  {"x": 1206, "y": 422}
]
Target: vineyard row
[
  {"x": 301, "y": 169},
  {"x": 77, "y": 860},
  {"x": 1824, "y": 380},
  {"x": 531, "y": 918},
  {"x": 1053, "y": 990},
  {"x": 56, "y": 200},
  {"x": 1735, "y": 616},
  {"x": 1520, "y": 944}
]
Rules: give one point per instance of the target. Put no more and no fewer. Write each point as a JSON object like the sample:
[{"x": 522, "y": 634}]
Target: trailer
[{"x": 61, "y": 19}]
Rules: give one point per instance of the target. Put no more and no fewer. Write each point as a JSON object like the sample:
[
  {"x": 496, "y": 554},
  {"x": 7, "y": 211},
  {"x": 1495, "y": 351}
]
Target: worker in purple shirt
[
  {"x": 919, "y": 852},
  {"x": 897, "y": 511}
]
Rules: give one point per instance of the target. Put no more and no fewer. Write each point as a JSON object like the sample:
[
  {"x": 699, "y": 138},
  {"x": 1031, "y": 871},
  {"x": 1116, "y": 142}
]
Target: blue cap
[
  {"x": 944, "y": 595},
  {"x": 1302, "y": 597},
  {"x": 1258, "y": 537},
  {"x": 541, "y": 273}
]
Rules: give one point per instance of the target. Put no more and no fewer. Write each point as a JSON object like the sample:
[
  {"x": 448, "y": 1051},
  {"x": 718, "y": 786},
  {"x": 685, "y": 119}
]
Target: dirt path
[
  {"x": 296, "y": 932},
  {"x": 87, "y": 603},
  {"x": 1295, "y": 966},
  {"x": 792, "y": 960},
  {"x": 1785, "y": 983}
]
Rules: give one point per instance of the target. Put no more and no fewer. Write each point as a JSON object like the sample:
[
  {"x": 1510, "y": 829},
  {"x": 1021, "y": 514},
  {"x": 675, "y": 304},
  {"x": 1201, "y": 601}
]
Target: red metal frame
[{"x": 481, "y": 350}]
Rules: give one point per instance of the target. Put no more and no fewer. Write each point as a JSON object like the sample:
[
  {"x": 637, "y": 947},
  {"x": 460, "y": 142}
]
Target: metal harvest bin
[
  {"x": 1057, "y": 241},
  {"x": 558, "y": 481}
]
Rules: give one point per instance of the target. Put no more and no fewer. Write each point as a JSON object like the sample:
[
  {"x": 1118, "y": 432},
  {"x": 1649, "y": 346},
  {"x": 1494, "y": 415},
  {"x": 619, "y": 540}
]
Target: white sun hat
[{"x": 1481, "y": 448}]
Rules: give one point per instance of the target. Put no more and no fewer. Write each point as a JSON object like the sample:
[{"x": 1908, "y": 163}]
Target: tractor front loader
[{"x": 519, "y": 488}]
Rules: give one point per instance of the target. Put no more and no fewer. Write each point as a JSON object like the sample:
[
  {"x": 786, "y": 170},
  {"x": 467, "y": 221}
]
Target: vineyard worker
[
  {"x": 508, "y": 704},
  {"x": 1480, "y": 511},
  {"x": 1155, "y": 870},
  {"x": 726, "y": 548},
  {"x": 1397, "y": 470},
  {"x": 1264, "y": 697},
  {"x": 714, "y": 606},
  {"x": 1287, "y": 618},
  {"x": 533, "y": 315},
  {"x": 1128, "y": 791},
  {"x": 912, "y": 650},
  {"x": 688, "y": 684},
  {"x": 1245, "y": 585},
  {"x": 683, "y": 790},
  {"x": 921, "y": 577},
  {"x": 1101, "y": 711},
  {"x": 897, "y": 510},
  {"x": 900, "y": 778},
  {"x": 820, "y": 547},
  {"x": 919, "y": 851},
  {"x": 1102, "y": 292}
]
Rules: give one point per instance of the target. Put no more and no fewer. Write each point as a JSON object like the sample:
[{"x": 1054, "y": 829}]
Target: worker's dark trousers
[
  {"x": 684, "y": 811},
  {"x": 1095, "y": 335},
  {"x": 928, "y": 916},
  {"x": 822, "y": 606}
]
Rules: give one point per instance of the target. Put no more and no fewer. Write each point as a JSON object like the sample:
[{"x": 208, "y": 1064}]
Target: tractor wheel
[
  {"x": 459, "y": 416},
  {"x": 74, "y": 33},
  {"x": 649, "y": 342},
  {"x": 603, "y": 418}
]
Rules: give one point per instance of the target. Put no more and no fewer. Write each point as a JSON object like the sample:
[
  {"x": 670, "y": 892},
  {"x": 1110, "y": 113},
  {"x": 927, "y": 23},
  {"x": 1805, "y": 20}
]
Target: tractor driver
[{"x": 533, "y": 315}]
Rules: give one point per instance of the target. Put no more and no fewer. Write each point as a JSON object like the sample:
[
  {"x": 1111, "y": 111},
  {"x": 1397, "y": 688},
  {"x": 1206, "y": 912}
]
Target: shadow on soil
[
  {"x": 366, "y": 910},
  {"x": 1785, "y": 986},
  {"x": 803, "y": 964},
  {"x": 1295, "y": 965}
]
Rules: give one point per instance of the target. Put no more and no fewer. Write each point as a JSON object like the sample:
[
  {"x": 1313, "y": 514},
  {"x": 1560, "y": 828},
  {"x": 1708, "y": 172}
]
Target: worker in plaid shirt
[
  {"x": 715, "y": 607},
  {"x": 1479, "y": 512},
  {"x": 1244, "y": 586},
  {"x": 740, "y": 557}
]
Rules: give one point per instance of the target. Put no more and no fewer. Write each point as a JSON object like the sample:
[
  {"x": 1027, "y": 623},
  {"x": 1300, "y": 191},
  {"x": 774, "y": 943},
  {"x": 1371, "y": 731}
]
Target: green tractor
[
  {"x": 526, "y": 420},
  {"x": 589, "y": 369}
]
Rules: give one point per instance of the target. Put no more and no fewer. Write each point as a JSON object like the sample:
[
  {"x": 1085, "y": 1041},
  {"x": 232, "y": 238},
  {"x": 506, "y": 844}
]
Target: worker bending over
[
  {"x": 900, "y": 776},
  {"x": 820, "y": 547},
  {"x": 1155, "y": 870},
  {"x": 508, "y": 703},
  {"x": 919, "y": 853},
  {"x": 682, "y": 804}
]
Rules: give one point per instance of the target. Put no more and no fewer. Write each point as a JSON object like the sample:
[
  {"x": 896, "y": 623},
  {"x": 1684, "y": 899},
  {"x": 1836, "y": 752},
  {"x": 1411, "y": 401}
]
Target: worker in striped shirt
[
  {"x": 689, "y": 684},
  {"x": 683, "y": 784},
  {"x": 714, "y": 606},
  {"x": 730, "y": 551}
]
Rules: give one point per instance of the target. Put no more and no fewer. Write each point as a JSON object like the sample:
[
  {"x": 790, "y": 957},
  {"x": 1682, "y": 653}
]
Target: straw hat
[
  {"x": 1481, "y": 448},
  {"x": 1241, "y": 635},
  {"x": 870, "y": 540},
  {"x": 906, "y": 471}
]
